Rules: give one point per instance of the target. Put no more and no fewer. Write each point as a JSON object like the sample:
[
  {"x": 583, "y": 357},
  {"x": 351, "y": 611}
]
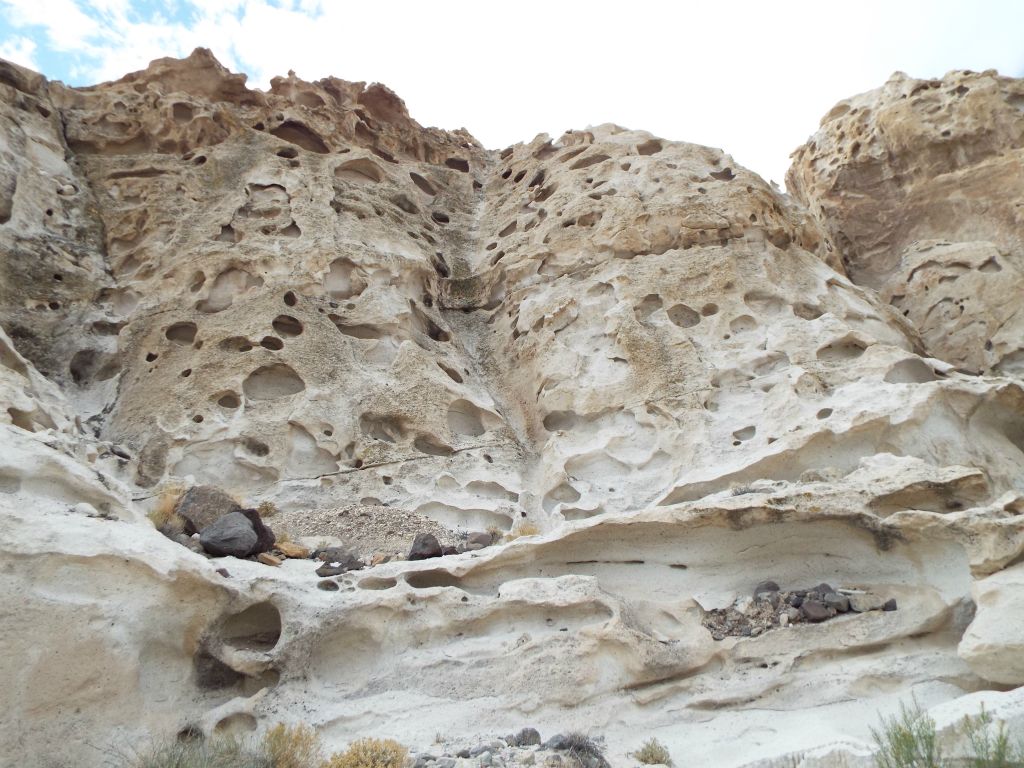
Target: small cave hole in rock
[
  {"x": 824, "y": 413},
  {"x": 452, "y": 373},
  {"x": 440, "y": 218},
  {"x": 422, "y": 184},
  {"x": 360, "y": 171},
  {"x": 374, "y": 582},
  {"x": 181, "y": 333},
  {"x": 432, "y": 579},
  {"x": 272, "y": 343},
  {"x": 257, "y": 628},
  {"x": 683, "y": 316},
  {"x": 287, "y": 326},
  {"x": 845, "y": 349},
  {"x": 464, "y": 418},
  {"x": 255, "y": 447},
  {"x": 235, "y": 344},
  {"x": 431, "y": 446},
  {"x": 910, "y": 371},
  {"x": 457, "y": 164},
  {"x": 289, "y": 299},
  {"x": 745, "y": 434},
  {"x": 229, "y": 400},
  {"x": 301, "y": 135},
  {"x": 272, "y": 381}
]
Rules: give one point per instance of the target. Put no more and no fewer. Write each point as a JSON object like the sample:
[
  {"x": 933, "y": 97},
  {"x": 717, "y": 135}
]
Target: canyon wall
[{"x": 654, "y": 378}]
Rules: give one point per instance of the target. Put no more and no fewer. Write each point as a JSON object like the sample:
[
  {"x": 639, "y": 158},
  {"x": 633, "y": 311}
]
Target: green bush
[
  {"x": 990, "y": 750},
  {"x": 907, "y": 741},
  {"x": 910, "y": 741}
]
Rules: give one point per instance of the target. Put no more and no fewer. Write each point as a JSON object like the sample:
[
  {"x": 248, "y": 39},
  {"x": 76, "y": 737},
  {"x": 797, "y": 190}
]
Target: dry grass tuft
[
  {"x": 370, "y": 753},
  {"x": 522, "y": 529},
  {"x": 293, "y": 746},
  {"x": 163, "y": 515},
  {"x": 267, "y": 509},
  {"x": 653, "y": 752}
]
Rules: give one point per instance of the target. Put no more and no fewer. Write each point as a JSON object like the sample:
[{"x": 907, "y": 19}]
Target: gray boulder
[
  {"x": 841, "y": 603},
  {"x": 865, "y": 601},
  {"x": 477, "y": 540},
  {"x": 231, "y": 535},
  {"x": 203, "y": 505}
]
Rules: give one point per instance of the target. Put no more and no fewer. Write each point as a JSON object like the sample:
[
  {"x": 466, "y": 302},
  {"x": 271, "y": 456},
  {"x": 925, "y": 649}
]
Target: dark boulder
[
  {"x": 231, "y": 535},
  {"x": 265, "y": 537},
  {"x": 814, "y": 611},
  {"x": 425, "y": 546},
  {"x": 889, "y": 605},
  {"x": 764, "y": 588}
]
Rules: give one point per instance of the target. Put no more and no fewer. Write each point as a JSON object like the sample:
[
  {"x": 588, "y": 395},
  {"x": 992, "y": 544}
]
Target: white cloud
[
  {"x": 751, "y": 77},
  {"x": 20, "y": 50}
]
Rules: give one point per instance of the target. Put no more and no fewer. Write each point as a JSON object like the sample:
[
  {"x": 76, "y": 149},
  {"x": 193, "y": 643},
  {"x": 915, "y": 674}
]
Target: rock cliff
[{"x": 653, "y": 378}]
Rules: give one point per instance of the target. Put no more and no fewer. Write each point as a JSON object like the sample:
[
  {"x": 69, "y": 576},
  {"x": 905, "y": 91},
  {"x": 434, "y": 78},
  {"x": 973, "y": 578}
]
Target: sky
[{"x": 752, "y": 78}]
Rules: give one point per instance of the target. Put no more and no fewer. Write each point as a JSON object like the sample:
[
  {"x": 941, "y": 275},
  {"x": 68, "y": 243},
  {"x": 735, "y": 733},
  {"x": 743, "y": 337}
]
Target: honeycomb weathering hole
[
  {"x": 257, "y": 628},
  {"x": 286, "y": 325},
  {"x": 360, "y": 171},
  {"x": 236, "y": 725},
  {"x": 272, "y": 381},
  {"x": 181, "y": 333}
]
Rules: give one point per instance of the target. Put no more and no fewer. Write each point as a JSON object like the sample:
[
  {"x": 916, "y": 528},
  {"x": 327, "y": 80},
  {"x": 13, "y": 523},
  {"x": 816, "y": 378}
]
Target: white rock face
[{"x": 647, "y": 367}]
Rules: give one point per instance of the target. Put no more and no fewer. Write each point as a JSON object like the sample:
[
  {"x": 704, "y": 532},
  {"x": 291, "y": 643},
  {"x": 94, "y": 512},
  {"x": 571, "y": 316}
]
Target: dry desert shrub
[
  {"x": 653, "y": 752},
  {"x": 292, "y": 746},
  {"x": 370, "y": 753}
]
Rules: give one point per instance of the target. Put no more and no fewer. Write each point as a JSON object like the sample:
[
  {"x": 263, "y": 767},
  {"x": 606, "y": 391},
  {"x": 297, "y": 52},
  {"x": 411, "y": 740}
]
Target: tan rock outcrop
[
  {"x": 919, "y": 184},
  {"x": 637, "y": 361}
]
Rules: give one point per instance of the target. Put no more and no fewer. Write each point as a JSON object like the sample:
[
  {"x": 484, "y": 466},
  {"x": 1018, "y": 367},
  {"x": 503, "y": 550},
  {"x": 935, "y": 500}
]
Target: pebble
[
  {"x": 293, "y": 550},
  {"x": 268, "y": 559}
]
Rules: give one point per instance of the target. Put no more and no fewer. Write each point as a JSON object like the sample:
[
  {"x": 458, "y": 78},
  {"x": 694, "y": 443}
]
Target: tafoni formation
[{"x": 309, "y": 414}]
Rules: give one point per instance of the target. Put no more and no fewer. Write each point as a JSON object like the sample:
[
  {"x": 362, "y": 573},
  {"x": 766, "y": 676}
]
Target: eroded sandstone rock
[{"x": 661, "y": 377}]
